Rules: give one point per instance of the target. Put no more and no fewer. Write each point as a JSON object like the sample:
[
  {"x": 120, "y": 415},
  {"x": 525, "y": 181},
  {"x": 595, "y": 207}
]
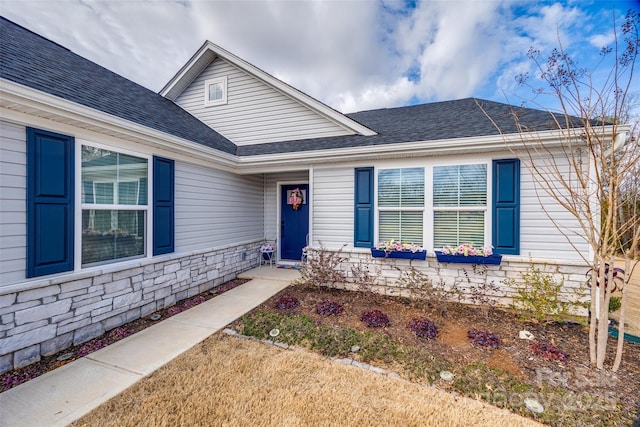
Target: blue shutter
[
  {"x": 163, "y": 206},
  {"x": 506, "y": 206},
  {"x": 363, "y": 214},
  {"x": 50, "y": 194}
]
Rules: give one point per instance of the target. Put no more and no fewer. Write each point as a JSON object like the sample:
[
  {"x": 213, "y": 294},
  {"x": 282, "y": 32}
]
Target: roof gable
[
  {"x": 209, "y": 52},
  {"x": 253, "y": 112}
]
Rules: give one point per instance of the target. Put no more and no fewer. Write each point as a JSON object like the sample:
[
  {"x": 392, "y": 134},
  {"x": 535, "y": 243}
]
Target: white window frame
[
  {"x": 428, "y": 216},
  {"x": 486, "y": 208},
  {"x": 222, "y": 81},
  {"x": 379, "y": 208},
  {"x": 79, "y": 204}
]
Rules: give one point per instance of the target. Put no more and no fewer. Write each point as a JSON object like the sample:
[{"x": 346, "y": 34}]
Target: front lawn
[{"x": 483, "y": 351}]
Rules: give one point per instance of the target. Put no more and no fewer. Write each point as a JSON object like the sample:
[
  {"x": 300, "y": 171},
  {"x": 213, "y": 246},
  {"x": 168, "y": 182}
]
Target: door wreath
[{"x": 296, "y": 199}]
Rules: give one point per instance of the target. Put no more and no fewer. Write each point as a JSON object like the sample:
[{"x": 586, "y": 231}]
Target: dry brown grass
[{"x": 228, "y": 381}]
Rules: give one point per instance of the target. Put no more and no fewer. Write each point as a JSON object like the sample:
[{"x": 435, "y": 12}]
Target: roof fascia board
[
  {"x": 198, "y": 62},
  {"x": 514, "y": 142},
  {"x": 57, "y": 108},
  {"x": 312, "y": 103}
]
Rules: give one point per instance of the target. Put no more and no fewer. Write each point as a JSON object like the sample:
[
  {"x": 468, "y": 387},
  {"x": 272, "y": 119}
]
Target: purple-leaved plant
[
  {"x": 484, "y": 338},
  {"x": 91, "y": 346},
  {"x": 328, "y": 308},
  {"x": 194, "y": 301},
  {"x": 19, "y": 376},
  {"x": 174, "y": 310},
  {"x": 119, "y": 333},
  {"x": 424, "y": 328},
  {"x": 548, "y": 351},
  {"x": 375, "y": 319},
  {"x": 287, "y": 302}
]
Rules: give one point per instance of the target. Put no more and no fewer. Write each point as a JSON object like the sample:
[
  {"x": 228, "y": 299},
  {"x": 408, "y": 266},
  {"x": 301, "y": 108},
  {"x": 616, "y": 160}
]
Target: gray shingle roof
[
  {"x": 426, "y": 122},
  {"x": 31, "y": 60}
]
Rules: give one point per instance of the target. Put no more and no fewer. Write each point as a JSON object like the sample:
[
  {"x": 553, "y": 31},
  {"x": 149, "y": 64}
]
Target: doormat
[{"x": 289, "y": 267}]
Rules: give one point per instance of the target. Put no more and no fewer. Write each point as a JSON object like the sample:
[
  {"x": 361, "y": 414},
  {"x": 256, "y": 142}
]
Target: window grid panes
[
  {"x": 114, "y": 209},
  {"x": 460, "y": 202},
  {"x": 215, "y": 92},
  {"x": 401, "y": 205}
]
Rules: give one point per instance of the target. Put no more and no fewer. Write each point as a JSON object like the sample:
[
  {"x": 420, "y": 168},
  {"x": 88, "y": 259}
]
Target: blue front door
[{"x": 294, "y": 221}]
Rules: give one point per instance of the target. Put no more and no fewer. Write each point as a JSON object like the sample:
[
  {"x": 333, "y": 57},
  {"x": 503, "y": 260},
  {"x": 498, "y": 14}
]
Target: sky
[{"x": 351, "y": 55}]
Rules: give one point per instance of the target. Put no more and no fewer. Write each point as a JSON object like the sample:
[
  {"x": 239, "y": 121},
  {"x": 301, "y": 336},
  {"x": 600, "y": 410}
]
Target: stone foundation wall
[
  {"x": 42, "y": 317},
  {"x": 467, "y": 279}
]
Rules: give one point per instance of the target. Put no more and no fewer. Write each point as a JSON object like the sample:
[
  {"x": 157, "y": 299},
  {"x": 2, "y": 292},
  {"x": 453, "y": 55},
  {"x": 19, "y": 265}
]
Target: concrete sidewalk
[{"x": 67, "y": 393}]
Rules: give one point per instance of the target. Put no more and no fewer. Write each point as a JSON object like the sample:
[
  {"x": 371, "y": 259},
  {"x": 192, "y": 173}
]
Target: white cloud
[
  {"x": 602, "y": 40},
  {"x": 353, "y": 55}
]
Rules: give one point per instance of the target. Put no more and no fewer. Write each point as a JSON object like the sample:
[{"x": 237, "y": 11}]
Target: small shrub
[
  {"x": 540, "y": 295},
  {"x": 420, "y": 288},
  {"x": 287, "y": 302},
  {"x": 484, "y": 338},
  {"x": 328, "y": 308},
  {"x": 614, "y": 304},
  {"x": 548, "y": 351},
  {"x": 365, "y": 282},
  {"x": 424, "y": 328},
  {"x": 375, "y": 319},
  {"x": 323, "y": 268},
  {"x": 485, "y": 293}
]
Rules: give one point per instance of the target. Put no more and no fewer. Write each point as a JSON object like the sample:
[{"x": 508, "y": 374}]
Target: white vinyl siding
[
  {"x": 216, "y": 208},
  {"x": 13, "y": 220},
  {"x": 254, "y": 113},
  {"x": 539, "y": 237},
  {"x": 333, "y": 217},
  {"x": 333, "y": 209}
]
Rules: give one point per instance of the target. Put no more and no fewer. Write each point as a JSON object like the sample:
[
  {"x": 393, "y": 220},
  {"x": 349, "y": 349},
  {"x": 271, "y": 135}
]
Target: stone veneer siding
[
  {"x": 42, "y": 317},
  {"x": 387, "y": 272}
]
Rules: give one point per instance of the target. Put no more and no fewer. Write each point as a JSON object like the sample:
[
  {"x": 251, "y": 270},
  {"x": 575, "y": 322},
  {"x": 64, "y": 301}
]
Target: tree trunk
[
  {"x": 623, "y": 311},
  {"x": 594, "y": 316}
]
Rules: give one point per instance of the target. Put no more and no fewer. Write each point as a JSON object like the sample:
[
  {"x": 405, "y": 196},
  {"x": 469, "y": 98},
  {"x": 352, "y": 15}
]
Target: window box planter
[
  {"x": 422, "y": 255},
  {"x": 494, "y": 259}
]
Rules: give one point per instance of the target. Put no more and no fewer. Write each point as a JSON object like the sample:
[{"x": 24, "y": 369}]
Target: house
[{"x": 118, "y": 201}]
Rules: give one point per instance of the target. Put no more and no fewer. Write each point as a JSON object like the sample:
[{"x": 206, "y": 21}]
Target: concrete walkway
[{"x": 73, "y": 390}]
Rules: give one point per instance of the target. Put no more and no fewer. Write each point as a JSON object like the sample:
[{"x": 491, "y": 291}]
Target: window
[
  {"x": 459, "y": 204},
  {"x": 114, "y": 205},
  {"x": 401, "y": 205},
  {"x": 215, "y": 91}
]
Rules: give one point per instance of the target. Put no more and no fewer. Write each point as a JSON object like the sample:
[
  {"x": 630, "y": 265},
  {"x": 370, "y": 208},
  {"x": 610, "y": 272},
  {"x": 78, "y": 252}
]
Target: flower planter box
[
  {"x": 422, "y": 255},
  {"x": 494, "y": 259},
  {"x": 266, "y": 255}
]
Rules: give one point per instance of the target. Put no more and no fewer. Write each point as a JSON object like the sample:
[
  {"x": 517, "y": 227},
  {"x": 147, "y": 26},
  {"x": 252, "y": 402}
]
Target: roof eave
[
  {"x": 491, "y": 143},
  {"x": 21, "y": 100}
]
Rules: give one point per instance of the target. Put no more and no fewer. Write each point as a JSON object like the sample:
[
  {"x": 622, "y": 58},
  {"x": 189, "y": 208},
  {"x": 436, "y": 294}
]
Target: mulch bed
[
  {"x": 564, "y": 344},
  {"x": 16, "y": 377}
]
